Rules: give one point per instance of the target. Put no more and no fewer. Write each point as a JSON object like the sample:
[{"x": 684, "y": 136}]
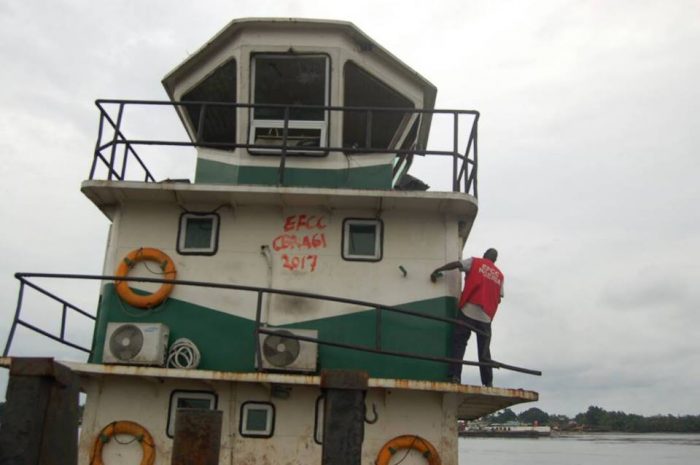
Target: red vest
[{"x": 482, "y": 286}]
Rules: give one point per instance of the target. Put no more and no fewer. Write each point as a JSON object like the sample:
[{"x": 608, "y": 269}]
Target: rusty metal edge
[{"x": 90, "y": 369}]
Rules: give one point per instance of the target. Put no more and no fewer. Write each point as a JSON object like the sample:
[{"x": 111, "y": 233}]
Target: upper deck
[{"x": 285, "y": 102}]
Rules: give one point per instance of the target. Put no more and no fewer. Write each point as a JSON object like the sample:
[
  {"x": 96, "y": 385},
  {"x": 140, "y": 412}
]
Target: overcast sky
[{"x": 588, "y": 165}]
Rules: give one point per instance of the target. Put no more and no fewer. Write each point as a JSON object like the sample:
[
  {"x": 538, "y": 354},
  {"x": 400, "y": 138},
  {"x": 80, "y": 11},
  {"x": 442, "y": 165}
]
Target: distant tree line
[
  {"x": 594, "y": 419},
  {"x": 598, "y": 419}
]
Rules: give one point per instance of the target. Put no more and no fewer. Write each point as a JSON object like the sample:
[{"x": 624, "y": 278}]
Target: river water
[{"x": 583, "y": 449}]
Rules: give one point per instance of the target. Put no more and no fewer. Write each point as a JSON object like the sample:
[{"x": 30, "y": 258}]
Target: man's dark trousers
[{"x": 460, "y": 337}]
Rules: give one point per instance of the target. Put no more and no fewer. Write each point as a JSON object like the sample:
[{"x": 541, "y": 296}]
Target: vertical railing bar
[
  {"x": 114, "y": 140},
  {"x": 124, "y": 159},
  {"x": 476, "y": 158},
  {"x": 14, "y": 320},
  {"x": 455, "y": 148},
  {"x": 258, "y": 315},
  {"x": 468, "y": 174},
  {"x": 100, "y": 129},
  {"x": 63, "y": 322},
  {"x": 283, "y": 160}
]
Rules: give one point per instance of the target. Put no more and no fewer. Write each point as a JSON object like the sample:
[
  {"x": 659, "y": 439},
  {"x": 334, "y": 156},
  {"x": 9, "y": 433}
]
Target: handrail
[
  {"x": 65, "y": 307},
  {"x": 259, "y": 328},
  {"x": 464, "y": 165}
]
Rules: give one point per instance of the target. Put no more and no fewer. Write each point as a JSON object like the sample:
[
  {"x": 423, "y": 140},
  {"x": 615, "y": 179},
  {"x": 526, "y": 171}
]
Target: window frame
[
  {"x": 182, "y": 234},
  {"x": 378, "y": 241},
  {"x": 243, "y": 416},
  {"x": 195, "y": 394},
  {"x": 323, "y": 125}
]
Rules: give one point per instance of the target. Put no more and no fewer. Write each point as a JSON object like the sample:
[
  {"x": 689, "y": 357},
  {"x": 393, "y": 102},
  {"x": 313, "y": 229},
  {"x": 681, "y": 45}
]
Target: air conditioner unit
[
  {"x": 136, "y": 343},
  {"x": 280, "y": 352}
]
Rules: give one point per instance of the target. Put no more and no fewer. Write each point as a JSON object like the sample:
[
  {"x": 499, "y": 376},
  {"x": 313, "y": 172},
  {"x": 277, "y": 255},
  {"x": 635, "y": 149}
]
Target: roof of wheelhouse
[
  {"x": 234, "y": 28},
  {"x": 233, "y": 31}
]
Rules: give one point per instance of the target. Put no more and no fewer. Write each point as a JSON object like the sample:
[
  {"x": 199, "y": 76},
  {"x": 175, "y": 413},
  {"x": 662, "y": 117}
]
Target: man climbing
[{"x": 482, "y": 292}]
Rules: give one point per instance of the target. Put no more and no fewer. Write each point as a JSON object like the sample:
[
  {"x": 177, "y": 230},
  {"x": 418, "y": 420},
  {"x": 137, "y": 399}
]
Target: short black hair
[{"x": 491, "y": 254}]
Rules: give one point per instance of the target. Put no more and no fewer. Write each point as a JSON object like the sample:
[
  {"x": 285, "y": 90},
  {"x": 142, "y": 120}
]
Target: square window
[
  {"x": 300, "y": 81},
  {"x": 362, "y": 239},
  {"x": 188, "y": 399},
  {"x": 198, "y": 234},
  {"x": 257, "y": 419}
]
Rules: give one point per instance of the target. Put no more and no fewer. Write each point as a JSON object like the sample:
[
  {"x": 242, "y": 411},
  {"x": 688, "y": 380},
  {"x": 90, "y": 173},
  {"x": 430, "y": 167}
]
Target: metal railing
[
  {"x": 109, "y": 154},
  {"x": 65, "y": 307},
  {"x": 260, "y": 328}
]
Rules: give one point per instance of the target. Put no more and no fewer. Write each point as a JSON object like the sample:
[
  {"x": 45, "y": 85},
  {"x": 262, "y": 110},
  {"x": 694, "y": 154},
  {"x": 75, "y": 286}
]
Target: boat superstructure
[{"x": 279, "y": 301}]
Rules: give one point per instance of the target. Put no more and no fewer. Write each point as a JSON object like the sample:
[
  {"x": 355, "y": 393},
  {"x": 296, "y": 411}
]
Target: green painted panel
[
  {"x": 399, "y": 333},
  {"x": 215, "y": 172},
  {"x": 226, "y": 341},
  {"x": 367, "y": 177}
]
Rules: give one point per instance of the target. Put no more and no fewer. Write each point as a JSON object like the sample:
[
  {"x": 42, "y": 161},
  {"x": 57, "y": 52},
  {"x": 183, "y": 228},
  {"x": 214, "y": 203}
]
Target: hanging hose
[{"x": 184, "y": 354}]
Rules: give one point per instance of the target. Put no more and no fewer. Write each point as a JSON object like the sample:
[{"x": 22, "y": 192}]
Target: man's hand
[{"x": 435, "y": 275}]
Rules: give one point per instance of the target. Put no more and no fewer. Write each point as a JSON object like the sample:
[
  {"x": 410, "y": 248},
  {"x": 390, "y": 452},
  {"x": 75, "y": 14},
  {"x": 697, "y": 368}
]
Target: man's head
[{"x": 491, "y": 254}]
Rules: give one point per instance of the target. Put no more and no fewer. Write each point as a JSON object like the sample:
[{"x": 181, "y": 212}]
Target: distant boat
[{"x": 506, "y": 430}]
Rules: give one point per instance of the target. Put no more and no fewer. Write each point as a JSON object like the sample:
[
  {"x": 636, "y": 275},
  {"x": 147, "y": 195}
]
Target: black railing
[
  {"x": 65, "y": 307},
  {"x": 259, "y": 326},
  {"x": 109, "y": 154}
]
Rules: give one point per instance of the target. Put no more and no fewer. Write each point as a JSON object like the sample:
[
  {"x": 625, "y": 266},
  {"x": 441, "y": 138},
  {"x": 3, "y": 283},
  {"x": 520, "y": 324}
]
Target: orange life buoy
[
  {"x": 408, "y": 441},
  {"x": 149, "y": 300},
  {"x": 140, "y": 433}
]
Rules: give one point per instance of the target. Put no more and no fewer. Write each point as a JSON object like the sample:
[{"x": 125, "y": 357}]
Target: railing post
[
  {"x": 476, "y": 157},
  {"x": 14, "y": 321},
  {"x": 63, "y": 321},
  {"x": 455, "y": 152},
  {"x": 100, "y": 128},
  {"x": 124, "y": 159},
  {"x": 114, "y": 141},
  {"x": 284, "y": 147},
  {"x": 258, "y": 315}
]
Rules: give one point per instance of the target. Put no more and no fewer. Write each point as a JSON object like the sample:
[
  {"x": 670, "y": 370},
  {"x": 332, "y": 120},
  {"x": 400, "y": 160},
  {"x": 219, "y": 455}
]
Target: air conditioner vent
[
  {"x": 136, "y": 343},
  {"x": 280, "y": 352}
]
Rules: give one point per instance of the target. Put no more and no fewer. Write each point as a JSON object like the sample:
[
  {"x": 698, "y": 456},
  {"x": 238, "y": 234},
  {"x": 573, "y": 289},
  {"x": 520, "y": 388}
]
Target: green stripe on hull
[
  {"x": 365, "y": 177},
  {"x": 399, "y": 333},
  {"x": 226, "y": 342}
]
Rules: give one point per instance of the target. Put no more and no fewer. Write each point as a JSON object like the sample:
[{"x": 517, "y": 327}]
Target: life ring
[
  {"x": 150, "y": 300},
  {"x": 408, "y": 441},
  {"x": 139, "y": 433}
]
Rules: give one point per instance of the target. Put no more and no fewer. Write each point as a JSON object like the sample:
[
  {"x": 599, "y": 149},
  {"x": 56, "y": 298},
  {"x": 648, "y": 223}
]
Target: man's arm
[{"x": 449, "y": 266}]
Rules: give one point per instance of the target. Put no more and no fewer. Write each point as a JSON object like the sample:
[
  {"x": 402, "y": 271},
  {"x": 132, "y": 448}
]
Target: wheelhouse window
[
  {"x": 219, "y": 123},
  {"x": 188, "y": 399},
  {"x": 198, "y": 234},
  {"x": 289, "y": 80},
  {"x": 377, "y": 129},
  {"x": 257, "y": 419},
  {"x": 362, "y": 239}
]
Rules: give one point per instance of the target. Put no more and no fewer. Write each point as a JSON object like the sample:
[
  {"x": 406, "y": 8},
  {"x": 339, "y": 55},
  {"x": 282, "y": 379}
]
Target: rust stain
[{"x": 507, "y": 396}]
